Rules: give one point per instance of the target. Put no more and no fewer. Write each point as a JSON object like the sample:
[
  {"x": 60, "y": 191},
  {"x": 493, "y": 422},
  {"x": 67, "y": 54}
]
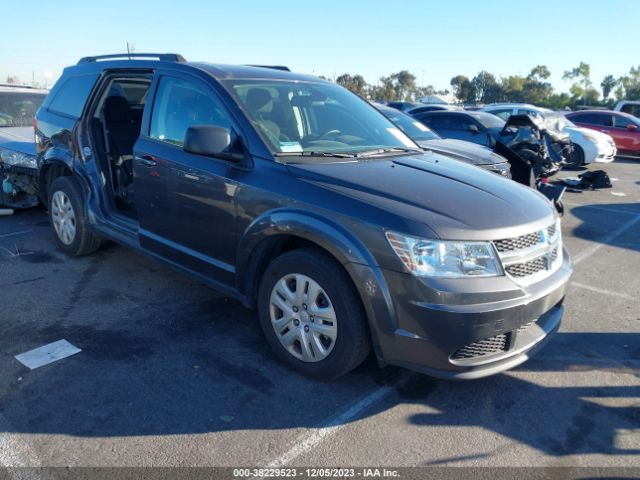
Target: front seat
[
  {"x": 259, "y": 103},
  {"x": 121, "y": 136}
]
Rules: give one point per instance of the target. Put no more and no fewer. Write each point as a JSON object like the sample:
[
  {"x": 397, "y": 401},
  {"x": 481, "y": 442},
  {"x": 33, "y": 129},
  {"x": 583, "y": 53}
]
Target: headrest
[
  {"x": 116, "y": 109},
  {"x": 257, "y": 98}
]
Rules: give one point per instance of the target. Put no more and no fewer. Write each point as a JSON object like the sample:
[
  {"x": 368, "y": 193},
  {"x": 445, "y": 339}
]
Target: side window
[
  {"x": 523, "y": 111},
  {"x": 621, "y": 122},
  {"x": 72, "y": 95},
  {"x": 433, "y": 121},
  {"x": 180, "y": 104},
  {"x": 503, "y": 114},
  {"x": 458, "y": 122},
  {"x": 590, "y": 119}
]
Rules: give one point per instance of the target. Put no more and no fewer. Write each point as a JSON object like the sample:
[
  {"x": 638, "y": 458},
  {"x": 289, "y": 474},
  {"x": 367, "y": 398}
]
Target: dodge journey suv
[{"x": 303, "y": 201}]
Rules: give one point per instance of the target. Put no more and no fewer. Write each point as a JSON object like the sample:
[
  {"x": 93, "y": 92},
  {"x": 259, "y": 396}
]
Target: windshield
[
  {"x": 316, "y": 118},
  {"x": 17, "y": 109},
  {"x": 557, "y": 121},
  {"x": 487, "y": 120},
  {"x": 409, "y": 125}
]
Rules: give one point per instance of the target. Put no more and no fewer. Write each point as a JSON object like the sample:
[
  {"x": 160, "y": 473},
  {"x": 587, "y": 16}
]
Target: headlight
[
  {"x": 445, "y": 259},
  {"x": 17, "y": 159}
]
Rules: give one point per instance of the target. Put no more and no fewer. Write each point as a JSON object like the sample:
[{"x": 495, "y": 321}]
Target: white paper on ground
[{"x": 38, "y": 357}]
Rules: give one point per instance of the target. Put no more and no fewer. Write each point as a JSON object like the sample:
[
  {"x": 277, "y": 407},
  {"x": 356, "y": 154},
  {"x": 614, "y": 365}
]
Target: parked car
[
  {"x": 588, "y": 146},
  {"x": 18, "y": 167},
  {"x": 300, "y": 199},
  {"x": 541, "y": 150},
  {"x": 436, "y": 107},
  {"x": 403, "y": 106},
  {"x": 622, "y": 127},
  {"x": 468, "y": 152},
  {"x": 628, "y": 106}
]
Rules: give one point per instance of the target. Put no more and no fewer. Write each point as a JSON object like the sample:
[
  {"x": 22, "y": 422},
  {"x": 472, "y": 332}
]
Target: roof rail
[
  {"x": 273, "y": 67},
  {"x": 165, "y": 57}
]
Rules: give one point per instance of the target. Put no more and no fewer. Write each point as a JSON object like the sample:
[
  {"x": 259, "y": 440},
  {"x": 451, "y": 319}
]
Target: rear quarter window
[{"x": 72, "y": 95}]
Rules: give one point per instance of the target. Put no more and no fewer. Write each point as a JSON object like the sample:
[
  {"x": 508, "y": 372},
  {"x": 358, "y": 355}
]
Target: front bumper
[
  {"x": 605, "y": 152},
  {"x": 18, "y": 186},
  {"x": 454, "y": 331}
]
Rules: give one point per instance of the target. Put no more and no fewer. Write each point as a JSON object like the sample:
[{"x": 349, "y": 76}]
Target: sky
[{"x": 435, "y": 40}]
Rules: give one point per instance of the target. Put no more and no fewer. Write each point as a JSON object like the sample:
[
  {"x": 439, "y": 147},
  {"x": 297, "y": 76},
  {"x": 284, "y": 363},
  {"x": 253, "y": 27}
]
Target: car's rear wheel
[
  {"x": 311, "y": 314},
  {"x": 68, "y": 219}
]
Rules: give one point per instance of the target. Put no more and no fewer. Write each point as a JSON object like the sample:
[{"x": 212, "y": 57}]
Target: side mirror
[
  {"x": 473, "y": 129},
  {"x": 632, "y": 127},
  {"x": 209, "y": 141}
]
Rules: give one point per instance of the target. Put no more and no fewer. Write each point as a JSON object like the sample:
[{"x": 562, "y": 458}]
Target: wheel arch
[
  {"x": 52, "y": 167},
  {"x": 282, "y": 230}
]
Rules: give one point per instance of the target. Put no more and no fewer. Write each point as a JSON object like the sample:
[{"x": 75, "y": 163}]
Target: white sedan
[{"x": 589, "y": 146}]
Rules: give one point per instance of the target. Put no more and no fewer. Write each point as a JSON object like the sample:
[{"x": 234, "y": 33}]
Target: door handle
[{"x": 149, "y": 161}]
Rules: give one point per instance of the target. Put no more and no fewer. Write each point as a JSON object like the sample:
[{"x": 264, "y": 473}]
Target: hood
[
  {"x": 461, "y": 150},
  {"x": 579, "y": 131},
  {"x": 19, "y": 139},
  {"x": 455, "y": 200}
]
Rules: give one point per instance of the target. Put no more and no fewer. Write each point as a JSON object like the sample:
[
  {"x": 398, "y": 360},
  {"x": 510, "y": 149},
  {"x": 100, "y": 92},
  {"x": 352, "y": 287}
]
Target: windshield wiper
[
  {"x": 315, "y": 154},
  {"x": 381, "y": 151}
]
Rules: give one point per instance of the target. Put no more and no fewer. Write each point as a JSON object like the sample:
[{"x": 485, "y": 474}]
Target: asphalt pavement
[{"x": 171, "y": 373}]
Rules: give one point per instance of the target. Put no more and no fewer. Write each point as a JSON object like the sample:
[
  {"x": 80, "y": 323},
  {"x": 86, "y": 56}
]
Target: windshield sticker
[
  {"x": 290, "y": 147},
  {"x": 421, "y": 126},
  {"x": 402, "y": 137}
]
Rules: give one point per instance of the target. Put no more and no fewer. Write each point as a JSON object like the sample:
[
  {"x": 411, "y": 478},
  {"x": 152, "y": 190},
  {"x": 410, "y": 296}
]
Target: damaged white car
[{"x": 18, "y": 166}]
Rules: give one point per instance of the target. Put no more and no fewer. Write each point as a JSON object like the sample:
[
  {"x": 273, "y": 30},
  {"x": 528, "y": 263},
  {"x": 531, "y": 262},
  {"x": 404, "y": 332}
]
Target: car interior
[{"x": 115, "y": 127}]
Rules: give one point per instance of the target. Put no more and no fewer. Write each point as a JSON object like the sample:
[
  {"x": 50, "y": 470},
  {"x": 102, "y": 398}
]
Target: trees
[
  {"x": 582, "y": 73},
  {"x": 608, "y": 84},
  {"x": 630, "y": 85},
  {"x": 404, "y": 84},
  {"x": 486, "y": 88},
  {"x": 462, "y": 88},
  {"x": 356, "y": 83}
]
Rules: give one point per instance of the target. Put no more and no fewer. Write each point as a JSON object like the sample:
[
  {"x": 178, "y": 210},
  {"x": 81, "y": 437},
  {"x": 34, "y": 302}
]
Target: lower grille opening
[{"x": 487, "y": 346}]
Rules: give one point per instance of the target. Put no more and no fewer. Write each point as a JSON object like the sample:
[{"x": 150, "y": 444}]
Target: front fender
[
  {"x": 357, "y": 260},
  {"x": 326, "y": 233}
]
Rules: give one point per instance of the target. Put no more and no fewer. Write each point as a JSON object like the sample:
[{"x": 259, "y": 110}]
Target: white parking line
[
  {"x": 306, "y": 442},
  {"x": 12, "y": 234},
  {"x": 603, "y": 291},
  {"x": 605, "y": 240}
]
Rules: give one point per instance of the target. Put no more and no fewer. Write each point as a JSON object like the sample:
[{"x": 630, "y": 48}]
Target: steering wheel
[{"x": 327, "y": 135}]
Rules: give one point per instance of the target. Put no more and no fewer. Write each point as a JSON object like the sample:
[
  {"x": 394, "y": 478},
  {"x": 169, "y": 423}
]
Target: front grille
[
  {"x": 524, "y": 269},
  {"x": 526, "y": 258},
  {"x": 487, "y": 346},
  {"x": 518, "y": 243}
]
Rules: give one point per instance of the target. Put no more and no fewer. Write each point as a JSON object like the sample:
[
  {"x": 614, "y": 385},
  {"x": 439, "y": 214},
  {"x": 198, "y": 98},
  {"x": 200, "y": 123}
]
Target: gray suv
[{"x": 303, "y": 201}]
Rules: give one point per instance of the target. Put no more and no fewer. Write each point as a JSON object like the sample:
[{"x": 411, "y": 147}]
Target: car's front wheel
[
  {"x": 68, "y": 219},
  {"x": 311, "y": 314},
  {"x": 576, "y": 159}
]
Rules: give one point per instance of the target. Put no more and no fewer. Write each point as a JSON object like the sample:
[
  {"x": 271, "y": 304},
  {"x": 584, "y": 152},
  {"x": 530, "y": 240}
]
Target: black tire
[
  {"x": 576, "y": 159},
  {"x": 83, "y": 241},
  {"x": 352, "y": 343}
]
